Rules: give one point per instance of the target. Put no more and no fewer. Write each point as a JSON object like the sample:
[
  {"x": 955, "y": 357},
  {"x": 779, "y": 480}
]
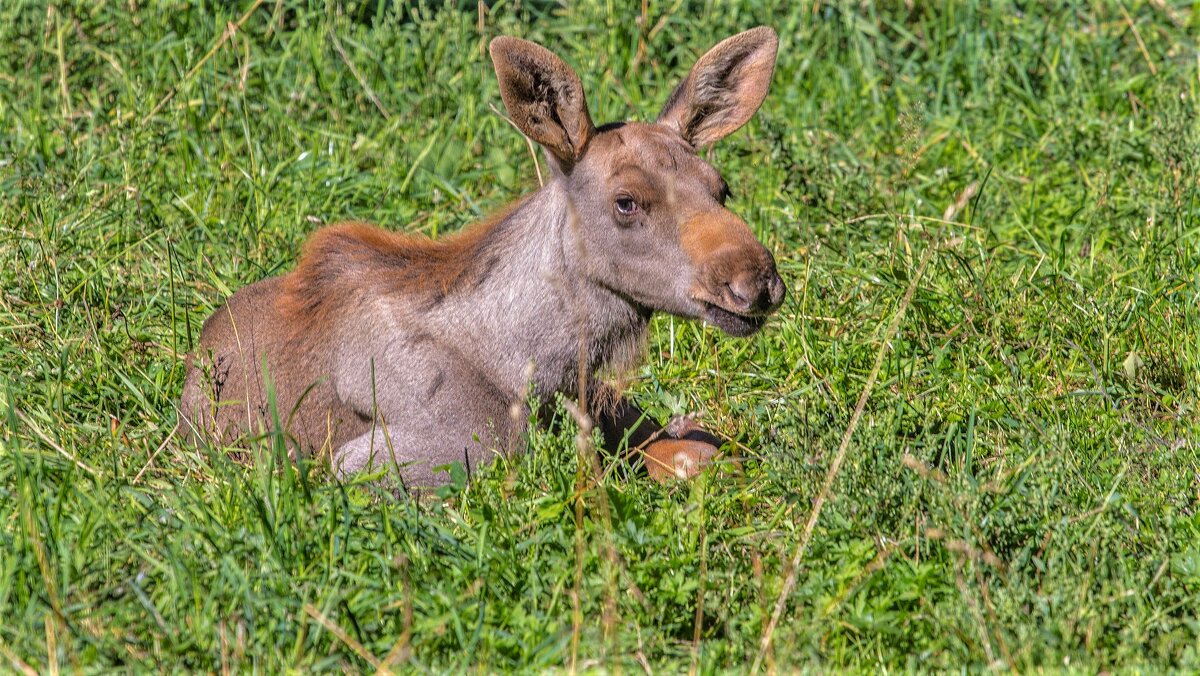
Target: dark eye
[{"x": 626, "y": 206}]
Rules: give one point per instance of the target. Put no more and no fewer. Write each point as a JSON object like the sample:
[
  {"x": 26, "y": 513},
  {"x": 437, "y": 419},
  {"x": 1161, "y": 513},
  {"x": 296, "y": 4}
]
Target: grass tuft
[{"x": 1022, "y": 490}]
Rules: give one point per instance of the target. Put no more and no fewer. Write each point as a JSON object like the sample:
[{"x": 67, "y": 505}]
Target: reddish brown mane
[{"x": 340, "y": 260}]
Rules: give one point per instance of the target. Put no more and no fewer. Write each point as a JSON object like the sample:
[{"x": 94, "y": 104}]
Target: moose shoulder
[{"x": 383, "y": 348}]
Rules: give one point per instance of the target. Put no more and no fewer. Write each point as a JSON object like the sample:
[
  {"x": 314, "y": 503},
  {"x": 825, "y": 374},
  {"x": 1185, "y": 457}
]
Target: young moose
[{"x": 385, "y": 348}]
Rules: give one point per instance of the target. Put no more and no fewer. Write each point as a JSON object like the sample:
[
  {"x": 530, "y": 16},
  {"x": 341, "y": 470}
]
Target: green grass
[{"x": 1022, "y": 491}]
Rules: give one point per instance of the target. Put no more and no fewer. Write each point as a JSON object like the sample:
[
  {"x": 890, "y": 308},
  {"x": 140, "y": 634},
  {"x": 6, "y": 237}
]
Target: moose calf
[{"x": 392, "y": 350}]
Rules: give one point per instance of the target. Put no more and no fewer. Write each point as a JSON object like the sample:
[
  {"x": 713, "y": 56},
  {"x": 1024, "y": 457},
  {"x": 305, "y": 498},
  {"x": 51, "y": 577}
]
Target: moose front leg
[
  {"x": 681, "y": 452},
  {"x": 678, "y": 451}
]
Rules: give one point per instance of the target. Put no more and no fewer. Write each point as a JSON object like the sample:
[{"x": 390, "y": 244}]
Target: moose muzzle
[{"x": 737, "y": 283}]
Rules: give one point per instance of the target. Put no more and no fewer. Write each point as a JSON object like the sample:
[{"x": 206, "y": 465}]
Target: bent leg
[
  {"x": 425, "y": 411},
  {"x": 416, "y": 453},
  {"x": 680, "y": 450}
]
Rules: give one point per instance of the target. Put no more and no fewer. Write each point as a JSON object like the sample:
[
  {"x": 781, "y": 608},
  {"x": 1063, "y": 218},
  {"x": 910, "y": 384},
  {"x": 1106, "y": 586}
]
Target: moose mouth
[{"x": 733, "y": 323}]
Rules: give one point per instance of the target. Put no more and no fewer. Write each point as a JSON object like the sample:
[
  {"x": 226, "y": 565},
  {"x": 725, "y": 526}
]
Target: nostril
[
  {"x": 738, "y": 293},
  {"x": 776, "y": 289},
  {"x": 754, "y": 291}
]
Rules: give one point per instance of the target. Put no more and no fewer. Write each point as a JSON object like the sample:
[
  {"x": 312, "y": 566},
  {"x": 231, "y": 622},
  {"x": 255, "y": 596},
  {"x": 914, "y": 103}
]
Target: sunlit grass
[{"x": 1023, "y": 487}]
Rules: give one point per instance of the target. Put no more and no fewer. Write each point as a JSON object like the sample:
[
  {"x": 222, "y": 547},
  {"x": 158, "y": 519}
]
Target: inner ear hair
[{"x": 544, "y": 97}]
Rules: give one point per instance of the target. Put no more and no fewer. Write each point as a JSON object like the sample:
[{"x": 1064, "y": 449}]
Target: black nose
[{"x": 753, "y": 292}]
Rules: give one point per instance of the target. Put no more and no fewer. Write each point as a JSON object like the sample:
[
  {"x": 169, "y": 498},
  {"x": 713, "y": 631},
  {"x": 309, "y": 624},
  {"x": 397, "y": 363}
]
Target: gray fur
[{"x": 374, "y": 372}]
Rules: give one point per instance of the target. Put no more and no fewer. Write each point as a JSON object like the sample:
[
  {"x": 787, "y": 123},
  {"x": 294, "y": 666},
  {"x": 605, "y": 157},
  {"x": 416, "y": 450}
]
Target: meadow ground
[{"x": 1022, "y": 487}]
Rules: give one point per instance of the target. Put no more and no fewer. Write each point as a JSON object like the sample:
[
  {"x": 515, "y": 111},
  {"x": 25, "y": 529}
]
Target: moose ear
[
  {"x": 544, "y": 97},
  {"x": 724, "y": 89}
]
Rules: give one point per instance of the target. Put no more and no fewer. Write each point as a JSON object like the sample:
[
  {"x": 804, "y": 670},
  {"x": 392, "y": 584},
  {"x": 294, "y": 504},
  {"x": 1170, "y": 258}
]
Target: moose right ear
[
  {"x": 724, "y": 88},
  {"x": 544, "y": 97}
]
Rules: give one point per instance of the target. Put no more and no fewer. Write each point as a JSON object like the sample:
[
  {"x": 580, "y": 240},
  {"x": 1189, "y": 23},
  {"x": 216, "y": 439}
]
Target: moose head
[{"x": 651, "y": 213}]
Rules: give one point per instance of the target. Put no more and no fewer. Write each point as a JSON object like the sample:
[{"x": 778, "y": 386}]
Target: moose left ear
[{"x": 724, "y": 89}]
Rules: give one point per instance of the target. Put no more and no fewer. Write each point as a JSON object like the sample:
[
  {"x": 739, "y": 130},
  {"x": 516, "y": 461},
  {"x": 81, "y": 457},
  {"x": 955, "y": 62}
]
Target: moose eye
[{"x": 626, "y": 206}]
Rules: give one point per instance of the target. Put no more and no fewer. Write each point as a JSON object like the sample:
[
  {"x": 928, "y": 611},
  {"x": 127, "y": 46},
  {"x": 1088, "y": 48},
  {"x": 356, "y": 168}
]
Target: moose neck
[{"x": 537, "y": 307}]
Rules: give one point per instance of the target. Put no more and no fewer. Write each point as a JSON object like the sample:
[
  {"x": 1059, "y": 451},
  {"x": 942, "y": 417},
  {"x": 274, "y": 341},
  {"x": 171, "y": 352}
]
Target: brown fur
[
  {"x": 544, "y": 97},
  {"x": 705, "y": 235},
  {"x": 385, "y": 348},
  {"x": 340, "y": 257}
]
